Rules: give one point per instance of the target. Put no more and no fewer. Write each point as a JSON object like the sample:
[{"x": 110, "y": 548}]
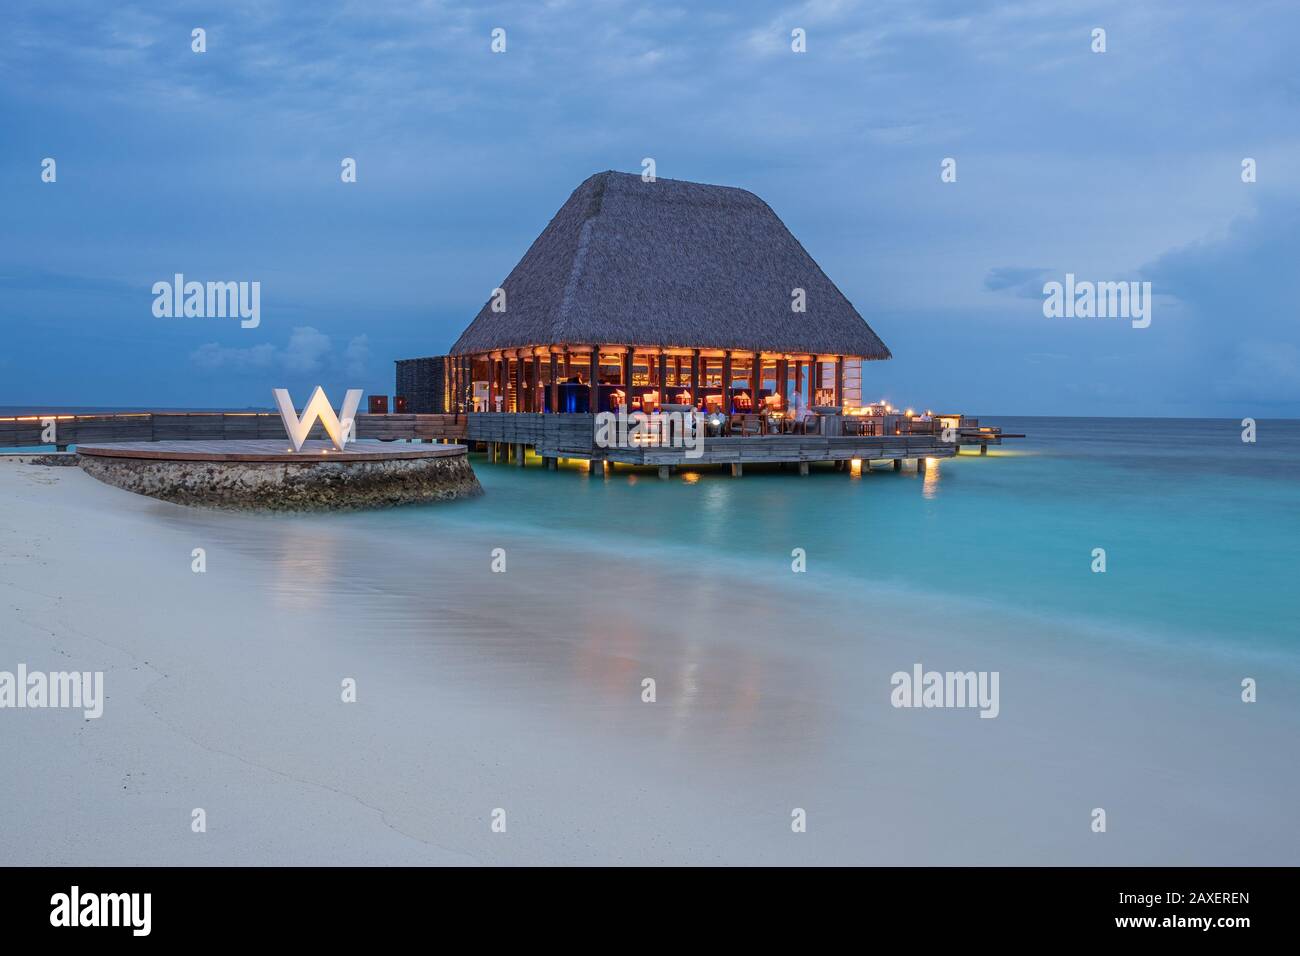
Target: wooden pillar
[
  {"x": 677, "y": 372},
  {"x": 519, "y": 385},
  {"x": 663, "y": 472},
  {"x": 737, "y": 470},
  {"x": 782, "y": 377},
  {"x": 695, "y": 377},
  {"x": 663, "y": 378},
  {"x": 555, "y": 384},
  {"x": 756, "y": 377},
  {"x": 519, "y": 455},
  {"x": 726, "y": 382},
  {"x": 898, "y": 464},
  {"x": 593, "y": 374},
  {"x": 921, "y": 464},
  {"x": 839, "y": 381},
  {"x": 492, "y": 384},
  {"x": 803, "y": 467},
  {"x": 627, "y": 372}
]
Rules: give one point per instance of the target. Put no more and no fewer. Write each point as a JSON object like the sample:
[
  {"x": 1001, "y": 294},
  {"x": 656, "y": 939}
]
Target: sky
[{"x": 225, "y": 165}]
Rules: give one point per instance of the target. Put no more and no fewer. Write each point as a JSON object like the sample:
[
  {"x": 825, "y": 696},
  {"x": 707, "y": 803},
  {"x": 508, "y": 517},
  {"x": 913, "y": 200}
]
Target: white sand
[{"x": 522, "y": 691}]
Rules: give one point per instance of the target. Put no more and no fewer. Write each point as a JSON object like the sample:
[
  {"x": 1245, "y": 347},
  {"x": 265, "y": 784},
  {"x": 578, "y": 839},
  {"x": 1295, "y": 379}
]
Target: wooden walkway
[
  {"x": 265, "y": 451},
  {"x": 29, "y": 430}
]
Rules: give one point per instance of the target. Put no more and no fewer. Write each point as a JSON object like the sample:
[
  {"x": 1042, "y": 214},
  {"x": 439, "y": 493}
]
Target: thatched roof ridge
[{"x": 669, "y": 264}]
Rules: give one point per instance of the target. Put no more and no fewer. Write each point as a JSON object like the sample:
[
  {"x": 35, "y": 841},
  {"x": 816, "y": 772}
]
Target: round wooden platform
[{"x": 266, "y": 451}]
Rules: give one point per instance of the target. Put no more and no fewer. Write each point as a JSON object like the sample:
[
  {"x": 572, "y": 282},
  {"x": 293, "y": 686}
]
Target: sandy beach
[{"x": 522, "y": 691}]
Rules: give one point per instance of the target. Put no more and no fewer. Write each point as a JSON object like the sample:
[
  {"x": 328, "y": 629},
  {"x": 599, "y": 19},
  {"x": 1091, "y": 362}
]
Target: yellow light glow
[{"x": 855, "y": 467}]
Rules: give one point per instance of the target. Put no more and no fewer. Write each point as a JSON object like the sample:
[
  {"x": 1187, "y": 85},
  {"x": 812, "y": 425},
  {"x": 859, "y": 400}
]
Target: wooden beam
[{"x": 839, "y": 381}]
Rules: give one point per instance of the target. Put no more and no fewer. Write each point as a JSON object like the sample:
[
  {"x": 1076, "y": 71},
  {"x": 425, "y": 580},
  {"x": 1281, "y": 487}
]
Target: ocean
[
  {"x": 1199, "y": 529},
  {"x": 636, "y": 672}
]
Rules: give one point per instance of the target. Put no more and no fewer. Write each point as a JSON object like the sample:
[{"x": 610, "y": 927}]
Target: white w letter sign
[{"x": 341, "y": 427}]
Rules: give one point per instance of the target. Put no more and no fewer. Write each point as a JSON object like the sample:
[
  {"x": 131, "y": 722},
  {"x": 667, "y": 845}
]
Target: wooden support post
[
  {"x": 839, "y": 381},
  {"x": 898, "y": 464},
  {"x": 726, "y": 382},
  {"x": 782, "y": 380},
  {"x": 803, "y": 467},
  {"x": 554, "y": 385},
  {"x": 756, "y": 379},
  {"x": 663, "y": 379},
  {"x": 627, "y": 374},
  {"x": 984, "y": 448},
  {"x": 921, "y": 464},
  {"x": 663, "y": 472},
  {"x": 737, "y": 470},
  {"x": 519, "y": 455},
  {"x": 695, "y": 377}
]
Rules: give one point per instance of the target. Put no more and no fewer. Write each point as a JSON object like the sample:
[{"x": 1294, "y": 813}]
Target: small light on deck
[{"x": 855, "y": 466}]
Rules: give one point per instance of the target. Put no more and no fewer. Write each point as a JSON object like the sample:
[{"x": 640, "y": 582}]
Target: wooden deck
[
  {"x": 552, "y": 436},
  {"x": 573, "y": 436},
  {"x": 265, "y": 451},
  {"x": 774, "y": 449},
  {"x": 26, "y": 430}
]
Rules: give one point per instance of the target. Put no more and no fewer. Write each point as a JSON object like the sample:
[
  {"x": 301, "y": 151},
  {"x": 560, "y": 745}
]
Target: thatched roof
[{"x": 669, "y": 264}]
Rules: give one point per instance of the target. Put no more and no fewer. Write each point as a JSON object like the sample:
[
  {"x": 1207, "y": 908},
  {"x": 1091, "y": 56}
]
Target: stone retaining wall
[{"x": 290, "y": 486}]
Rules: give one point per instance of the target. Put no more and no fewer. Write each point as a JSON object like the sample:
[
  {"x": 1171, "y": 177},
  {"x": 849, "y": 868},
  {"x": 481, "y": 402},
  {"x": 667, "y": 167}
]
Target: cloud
[
  {"x": 356, "y": 357},
  {"x": 214, "y": 357},
  {"x": 308, "y": 351},
  {"x": 1262, "y": 372},
  {"x": 1024, "y": 281},
  {"x": 305, "y": 350}
]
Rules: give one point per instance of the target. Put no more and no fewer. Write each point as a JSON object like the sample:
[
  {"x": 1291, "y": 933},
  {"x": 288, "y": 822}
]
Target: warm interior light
[{"x": 855, "y": 466}]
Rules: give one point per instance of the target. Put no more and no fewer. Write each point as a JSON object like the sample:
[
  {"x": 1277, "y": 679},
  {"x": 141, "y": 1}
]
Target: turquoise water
[{"x": 1199, "y": 528}]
